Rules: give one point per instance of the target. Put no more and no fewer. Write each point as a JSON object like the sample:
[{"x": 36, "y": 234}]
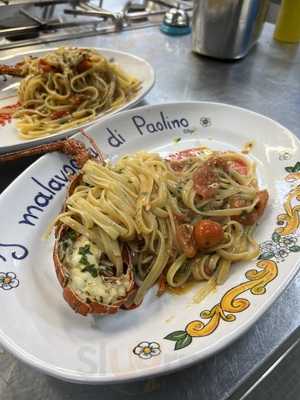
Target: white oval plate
[
  {"x": 9, "y": 139},
  {"x": 164, "y": 333}
]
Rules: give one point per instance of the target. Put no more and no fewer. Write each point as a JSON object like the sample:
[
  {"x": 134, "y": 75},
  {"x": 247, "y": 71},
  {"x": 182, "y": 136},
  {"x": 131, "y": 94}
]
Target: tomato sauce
[
  {"x": 239, "y": 166},
  {"x": 181, "y": 155},
  {"x": 59, "y": 114},
  {"x": 6, "y": 113}
]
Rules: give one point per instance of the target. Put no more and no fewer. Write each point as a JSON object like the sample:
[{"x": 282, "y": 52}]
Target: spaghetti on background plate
[{"x": 68, "y": 87}]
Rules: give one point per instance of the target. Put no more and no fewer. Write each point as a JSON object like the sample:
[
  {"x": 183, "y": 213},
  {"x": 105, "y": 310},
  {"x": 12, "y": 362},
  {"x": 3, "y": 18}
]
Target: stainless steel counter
[{"x": 267, "y": 81}]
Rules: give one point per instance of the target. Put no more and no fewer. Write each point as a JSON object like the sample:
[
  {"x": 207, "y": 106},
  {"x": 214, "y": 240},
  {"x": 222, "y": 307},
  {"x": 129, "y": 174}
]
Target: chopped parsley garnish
[
  {"x": 65, "y": 245},
  {"x": 91, "y": 269},
  {"x": 177, "y": 140},
  {"x": 70, "y": 234},
  {"x": 84, "y": 260},
  {"x": 84, "y": 250},
  {"x": 179, "y": 189}
]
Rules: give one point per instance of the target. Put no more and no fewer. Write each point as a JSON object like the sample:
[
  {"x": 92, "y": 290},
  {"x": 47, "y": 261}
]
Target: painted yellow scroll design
[
  {"x": 290, "y": 218},
  {"x": 229, "y": 305}
]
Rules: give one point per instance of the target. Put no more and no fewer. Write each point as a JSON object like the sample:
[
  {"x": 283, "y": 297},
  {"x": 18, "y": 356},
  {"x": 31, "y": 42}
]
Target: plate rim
[
  {"x": 171, "y": 366},
  {"x": 67, "y": 133}
]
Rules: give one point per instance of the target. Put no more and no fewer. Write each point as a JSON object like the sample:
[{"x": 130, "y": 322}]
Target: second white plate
[
  {"x": 9, "y": 139},
  {"x": 164, "y": 333}
]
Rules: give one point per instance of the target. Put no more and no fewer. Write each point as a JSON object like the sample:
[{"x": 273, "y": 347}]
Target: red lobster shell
[{"x": 78, "y": 304}]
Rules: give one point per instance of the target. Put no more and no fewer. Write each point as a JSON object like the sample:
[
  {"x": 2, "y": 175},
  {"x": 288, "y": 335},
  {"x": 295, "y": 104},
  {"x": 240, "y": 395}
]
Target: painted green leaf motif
[
  {"x": 289, "y": 169},
  {"x": 266, "y": 255},
  {"x": 177, "y": 335},
  {"x": 295, "y": 168},
  {"x": 294, "y": 249},
  {"x": 177, "y": 140},
  {"x": 276, "y": 237},
  {"x": 185, "y": 341}
]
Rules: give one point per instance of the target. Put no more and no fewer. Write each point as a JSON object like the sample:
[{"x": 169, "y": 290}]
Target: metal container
[{"x": 227, "y": 29}]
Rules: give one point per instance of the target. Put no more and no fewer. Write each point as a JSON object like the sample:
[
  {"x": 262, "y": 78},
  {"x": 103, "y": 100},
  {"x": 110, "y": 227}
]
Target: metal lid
[{"x": 177, "y": 17}]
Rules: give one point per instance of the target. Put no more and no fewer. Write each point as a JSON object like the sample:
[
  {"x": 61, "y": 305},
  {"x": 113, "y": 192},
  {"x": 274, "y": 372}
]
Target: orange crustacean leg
[
  {"x": 11, "y": 70},
  {"x": 71, "y": 147}
]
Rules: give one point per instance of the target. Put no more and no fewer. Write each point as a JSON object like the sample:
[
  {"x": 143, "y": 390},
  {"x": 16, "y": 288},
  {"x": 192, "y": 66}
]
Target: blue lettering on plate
[
  {"x": 47, "y": 192},
  {"x": 164, "y": 123},
  {"x": 115, "y": 139},
  {"x": 18, "y": 251}
]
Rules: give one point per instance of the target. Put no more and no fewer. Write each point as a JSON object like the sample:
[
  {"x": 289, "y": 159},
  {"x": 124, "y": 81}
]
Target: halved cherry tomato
[
  {"x": 237, "y": 202},
  {"x": 217, "y": 162},
  {"x": 205, "y": 181},
  {"x": 176, "y": 166},
  {"x": 45, "y": 66},
  {"x": 246, "y": 218},
  {"x": 84, "y": 65},
  {"x": 180, "y": 155},
  {"x": 59, "y": 114},
  {"x": 252, "y": 217},
  {"x": 208, "y": 234},
  {"x": 263, "y": 196},
  {"x": 179, "y": 218},
  {"x": 185, "y": 239},
  {"x": 162, "y": 285},
  {"x": 239, "y": 166},
  {"x": 77, "y": 99}
]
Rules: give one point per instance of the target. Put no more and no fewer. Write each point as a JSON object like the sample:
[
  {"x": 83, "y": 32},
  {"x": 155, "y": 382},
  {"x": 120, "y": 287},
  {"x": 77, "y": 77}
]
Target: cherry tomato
[
  {"x": 217, "y": 162},
  {"x": 206, "y": 179},
  {"x": 59, "y": 114},
  {"x": 181, "y": 155},
  {"x": 246, "y": 218},
  {"x": 176, "y": 166},
  {"x": 45, "y": 66},
  {"x": 208, "y": 233},
  {"x": 180, "y": 218},
  {"x": 205, "y": 182},
  {"x": 263, "y": 196},
  {"x": 84, "y": 65},
  {"x": 185, "y": 240},
  {"x": 77, "y": 99},
  {"x": 239, "y": 166},
  {"x": 252, "y": 217},
  {"x": 237, "y": 202}
]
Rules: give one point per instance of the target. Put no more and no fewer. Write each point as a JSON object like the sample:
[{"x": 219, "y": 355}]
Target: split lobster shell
[{"x": 78, "y": 304}]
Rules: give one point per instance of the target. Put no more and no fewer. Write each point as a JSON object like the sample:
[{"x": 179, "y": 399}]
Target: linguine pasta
[
  {"x": 68, "y": 87},
  {"x": 188, "y": 217}
]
